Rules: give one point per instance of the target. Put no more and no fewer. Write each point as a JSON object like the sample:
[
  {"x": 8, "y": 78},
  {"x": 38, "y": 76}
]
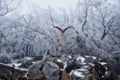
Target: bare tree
[
  {"x": 5, "y": 6},
  {"x": 107, "y": 23},
  {"x": 83, "y": 14}
]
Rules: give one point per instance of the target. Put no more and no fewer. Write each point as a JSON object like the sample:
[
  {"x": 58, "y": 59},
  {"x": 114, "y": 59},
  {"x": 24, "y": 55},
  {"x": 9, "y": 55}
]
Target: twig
[{"x": 50, "y": 14}]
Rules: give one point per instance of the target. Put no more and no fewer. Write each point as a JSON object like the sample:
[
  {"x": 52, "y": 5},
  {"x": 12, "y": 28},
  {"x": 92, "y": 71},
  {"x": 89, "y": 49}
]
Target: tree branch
[{"x": 50, "y": 14}]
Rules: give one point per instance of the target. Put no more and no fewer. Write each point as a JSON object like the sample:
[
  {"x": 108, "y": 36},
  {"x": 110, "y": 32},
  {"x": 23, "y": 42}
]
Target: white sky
[
  {"x": 54, "y": 3},
  {"x": 63, "y": 4}
]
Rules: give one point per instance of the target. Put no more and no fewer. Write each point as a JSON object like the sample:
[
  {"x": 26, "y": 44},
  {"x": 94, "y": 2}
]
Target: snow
[
  {"x": 16, "y": 65},
  {"x": 28, "y": 58},
  {"x": 82, "y": 69},
  {"x": 91, "y": 56},
  {"x": 34, "y": 62},
  {"x": 94, "y": 58},
  {"x": 91, "y": 64},
  {"x": 10, "y": 64},
  {"x": 69, "y": 56},
  {"x": 83, "y": 63},
  {"x": 77, "y": 73},
  {"x": 81, "y": 58},
  {"x": 23, "y": 69},
  {"x": 103, "y": 63},
  {"x": 65, "y": 64},
  {"x": 108, "y": 73},
  {"x": 58, "y": 60},
  {"x": 85, "y": 67}
]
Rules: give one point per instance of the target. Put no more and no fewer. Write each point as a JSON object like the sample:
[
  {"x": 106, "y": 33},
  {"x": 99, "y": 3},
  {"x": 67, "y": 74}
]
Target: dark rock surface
[
  {"x": 65, "y": 67},
  {"x": 35, "y": 67},
  {"x": 51, "y": 71},
  {"x": 26, "y": 64}
]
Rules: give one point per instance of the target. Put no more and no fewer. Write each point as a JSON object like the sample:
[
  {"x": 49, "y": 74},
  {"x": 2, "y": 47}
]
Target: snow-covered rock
[
  {"x": 26, "y": 64},
  {"x": 51, "y": 71},
  {"x": 35, "y": 67},
  {"x": 80, "y": 59},
  {"x": 90, "y": 59},
  {"x": 58, "y": 60},
  {"x": 76, "y": 74}
]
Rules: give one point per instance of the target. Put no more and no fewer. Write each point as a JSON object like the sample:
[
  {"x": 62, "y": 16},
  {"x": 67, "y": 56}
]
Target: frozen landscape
[{"x": 59, "y": 39}]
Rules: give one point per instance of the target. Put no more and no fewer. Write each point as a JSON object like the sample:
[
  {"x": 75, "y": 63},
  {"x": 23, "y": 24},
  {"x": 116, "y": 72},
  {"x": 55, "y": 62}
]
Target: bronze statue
[{"x": 61, "y": 45}]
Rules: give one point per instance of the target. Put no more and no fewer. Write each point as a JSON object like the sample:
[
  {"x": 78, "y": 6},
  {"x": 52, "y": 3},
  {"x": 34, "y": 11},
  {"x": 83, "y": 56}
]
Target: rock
[
  {"x": 64, "y": 75},
  {"x": 26, "y": 64},
  {"x": 118, "y": 77},
  {"x": 50, "y": 58},
  {"x": 61, "y": 66},
  {"x": 9, "y": 73},
  {"x": 63, "y": 58},
  {"x": 89, "y": 59},
  {"x": 51, "y": 71},
  {"x": 37, "y": 58},
  {"x": 36, "y": 67},
  {"x": 55, "y": 54},
  {"x": 90, "y": 77},
  {"x": 39, "y": 75},
  {"x": 72, "y": 66},
  {"x": 80, "y": 59},
  {"x": 25, "y": 59},
  {"x": 77, "y": 75}
]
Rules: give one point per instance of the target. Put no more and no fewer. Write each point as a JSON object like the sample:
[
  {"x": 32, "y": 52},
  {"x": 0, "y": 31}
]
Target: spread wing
[{"x": 59, "y": 28}]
